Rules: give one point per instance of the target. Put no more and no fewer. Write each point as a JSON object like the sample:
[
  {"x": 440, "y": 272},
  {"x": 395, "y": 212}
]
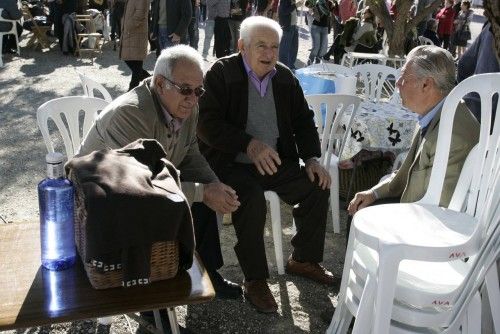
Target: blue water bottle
[{"x": 56, "y": 201}]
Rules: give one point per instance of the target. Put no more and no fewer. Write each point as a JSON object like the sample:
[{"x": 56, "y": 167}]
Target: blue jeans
[
  {"x": 289, "y": 46},
  {"x": 163, "y": 40},
  {"x": 209, "y": 34},
  {"x": 319, "y": 37}
]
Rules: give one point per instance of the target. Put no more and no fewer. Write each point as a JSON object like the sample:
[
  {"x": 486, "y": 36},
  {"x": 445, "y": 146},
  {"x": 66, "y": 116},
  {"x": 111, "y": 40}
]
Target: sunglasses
[{"x": 187, "y": 91}]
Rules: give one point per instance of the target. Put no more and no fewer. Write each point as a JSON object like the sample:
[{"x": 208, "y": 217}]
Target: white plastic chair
[
  {"x": 68, "y": 113},
  {"x": 425, "y": 41},
  {"x": 423, "y": 231},
  {"x": 90, "y": 85},
  {"x": 332, "y": 138},
  {"x": 378, "y": 80},
  {"x": 12, "y": 31},
  {"x": 331, "y": 68}
]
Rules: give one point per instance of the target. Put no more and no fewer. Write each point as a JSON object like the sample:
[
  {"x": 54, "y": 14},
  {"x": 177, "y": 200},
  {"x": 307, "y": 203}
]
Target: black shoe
[
  {"x": 149, "y": 317},
  {"x": 224, "y": 288}
]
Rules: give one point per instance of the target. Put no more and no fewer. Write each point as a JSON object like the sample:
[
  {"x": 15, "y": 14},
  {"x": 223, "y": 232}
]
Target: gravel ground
[{"x": 35, "y": 77}]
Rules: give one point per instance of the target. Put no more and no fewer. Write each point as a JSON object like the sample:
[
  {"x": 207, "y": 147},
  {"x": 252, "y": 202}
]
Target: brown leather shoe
[
  {"x": 310, "y": 270},
  {"x": 258, "y": 293}
]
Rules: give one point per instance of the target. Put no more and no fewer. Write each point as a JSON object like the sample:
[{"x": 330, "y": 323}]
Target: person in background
[
  {"x": 237, "y": 14},
  {"x": 445, "y": 18},
  {"x": 431, "y": 32},
  {"x": 289, "y": 46},
  {"x": 117, "y": 10},
  {"x": 480, "y": 57},
  {"x": 254, "y": 126},
  {"x": 426, "y": 79},
  {"x": 461, "y": 35},
  {"x": 347, "y": 9},
  {"x": 134, "y": 40},
  {"x": 211, "y": 9},
  {"x": 165, "y": 108},
  {"x": 364, "y": 38},
  {"x": 193, "y": 33},
  {"x": 319, "y": 30},
  {"x": 222, "y": 34},
  {"x": 456, "y": 9},
  {"x": 170, "y": 22}
]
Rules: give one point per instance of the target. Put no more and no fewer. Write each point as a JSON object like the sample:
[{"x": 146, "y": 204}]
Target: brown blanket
[{"x": 132, "y": 198}]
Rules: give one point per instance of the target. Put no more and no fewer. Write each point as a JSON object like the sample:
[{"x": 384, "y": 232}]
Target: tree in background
[{"x": 402, "y": 25}]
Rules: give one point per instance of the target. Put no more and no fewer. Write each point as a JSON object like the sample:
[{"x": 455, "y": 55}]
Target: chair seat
[
  {"x": 414, "y": 225},
  {"x": 420, "y": 284}
]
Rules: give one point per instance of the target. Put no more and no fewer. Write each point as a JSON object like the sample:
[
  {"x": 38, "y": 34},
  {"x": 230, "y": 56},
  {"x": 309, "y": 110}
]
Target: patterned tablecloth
[{"x": 379, "y": 127}]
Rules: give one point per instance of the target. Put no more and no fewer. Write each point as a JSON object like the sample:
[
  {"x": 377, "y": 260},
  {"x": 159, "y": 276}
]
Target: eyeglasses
[{"x": 187, "y": 91}]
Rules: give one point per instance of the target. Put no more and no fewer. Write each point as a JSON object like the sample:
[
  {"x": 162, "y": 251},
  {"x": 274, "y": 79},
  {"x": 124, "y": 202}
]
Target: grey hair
[
  {"x": 434, "y": 62},
  {"x": 169, "y": 58},
  {"x": 254, "y": 22}
]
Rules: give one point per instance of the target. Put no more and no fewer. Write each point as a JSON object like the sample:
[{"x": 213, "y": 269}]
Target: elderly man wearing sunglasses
[{"x": 165, "y": 108}]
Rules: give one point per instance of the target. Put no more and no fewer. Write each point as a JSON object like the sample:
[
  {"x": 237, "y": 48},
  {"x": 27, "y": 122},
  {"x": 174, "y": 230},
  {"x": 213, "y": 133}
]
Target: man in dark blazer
[
  {"x": 254, "y": 126},
  {"x": 170, "y": 22}
]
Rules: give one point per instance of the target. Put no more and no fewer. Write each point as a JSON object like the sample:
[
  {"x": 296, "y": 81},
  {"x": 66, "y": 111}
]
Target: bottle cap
[{"x": 54, "y": 158}]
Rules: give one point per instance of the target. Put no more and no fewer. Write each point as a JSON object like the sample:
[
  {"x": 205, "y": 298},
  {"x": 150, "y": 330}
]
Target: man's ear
[
  {"x": 241, "y": 45},
  {"x": 428, "y": 84},
  {"x": 157, "y": 82}
]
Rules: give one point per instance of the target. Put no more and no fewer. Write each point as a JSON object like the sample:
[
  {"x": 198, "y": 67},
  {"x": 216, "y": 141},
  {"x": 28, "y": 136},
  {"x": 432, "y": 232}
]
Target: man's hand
[
  {"x": 264, "y": 157},
  {"x": 360, "y": 201},
  {"x": 220, "y": 197},
  {"x": 313, "y": 168},
  {"x": 174, "y": 38}
]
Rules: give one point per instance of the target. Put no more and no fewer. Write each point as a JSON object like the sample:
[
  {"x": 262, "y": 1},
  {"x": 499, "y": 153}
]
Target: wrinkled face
[
  {"x": 185, "y": 74},
  {"x": 261, "y": 52},
  {"x": 410, "y": 89}
]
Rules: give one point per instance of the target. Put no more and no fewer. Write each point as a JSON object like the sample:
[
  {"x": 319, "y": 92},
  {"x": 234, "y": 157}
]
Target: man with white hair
[
  {"x": 254, "y": 126},
  {"x": 165, "y": 108},
  {"x": 426, "y": 79}
]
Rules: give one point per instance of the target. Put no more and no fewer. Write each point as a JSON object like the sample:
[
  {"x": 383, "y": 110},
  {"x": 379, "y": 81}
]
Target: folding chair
[
  {"x": 89, "y": 35},
  {"x": 12, "y": 31},
  {"x": 38, "y": 33}
]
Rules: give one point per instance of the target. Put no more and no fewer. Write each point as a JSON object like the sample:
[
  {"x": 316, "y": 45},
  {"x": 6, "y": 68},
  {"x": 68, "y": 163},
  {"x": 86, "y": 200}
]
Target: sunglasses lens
[
  {"x": 186, "y": 91},
  {"x": 198, "y": 91}
]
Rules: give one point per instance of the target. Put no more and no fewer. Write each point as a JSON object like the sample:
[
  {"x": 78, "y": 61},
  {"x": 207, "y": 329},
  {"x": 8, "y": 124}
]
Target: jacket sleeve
[
  {"x": 186, "y": 13},
  {"x": 213, "y": 128}
]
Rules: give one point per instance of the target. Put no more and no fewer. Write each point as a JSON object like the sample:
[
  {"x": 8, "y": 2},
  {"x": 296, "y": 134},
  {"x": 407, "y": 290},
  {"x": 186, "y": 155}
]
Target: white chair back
[
  {"x": 486, "y": 85},
  {"x": 334, "y": 139},
  {"x": 12, "y": 31},
  {"x": 425, "y": 41},
  {"x": 90, "y": 85},
  {"x": 331, "y": 68},
  {"x": 73, "y": 116},
  {"x": 379, "y": 81}
]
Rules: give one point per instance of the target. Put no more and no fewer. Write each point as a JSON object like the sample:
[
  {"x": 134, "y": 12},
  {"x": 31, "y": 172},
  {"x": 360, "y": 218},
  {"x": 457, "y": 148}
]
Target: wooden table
[{"x": 32, "y": 296}]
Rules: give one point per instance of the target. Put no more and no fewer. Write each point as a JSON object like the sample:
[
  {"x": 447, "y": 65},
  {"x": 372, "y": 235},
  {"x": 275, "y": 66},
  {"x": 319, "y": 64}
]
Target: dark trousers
[
  {"x": 294, "y": 187},
  {"x": 138, "y": 73},
  {"x": 207, "y": 236},
  {"x": 222, "y": 36}
]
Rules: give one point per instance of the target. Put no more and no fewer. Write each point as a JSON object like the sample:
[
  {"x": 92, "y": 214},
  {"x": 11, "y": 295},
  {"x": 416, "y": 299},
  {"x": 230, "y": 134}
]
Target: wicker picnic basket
[{"x": 164, "y": 255}]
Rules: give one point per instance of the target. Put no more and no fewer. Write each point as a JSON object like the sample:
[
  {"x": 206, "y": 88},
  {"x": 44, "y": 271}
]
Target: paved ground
[{"x": 35, "y": 77}]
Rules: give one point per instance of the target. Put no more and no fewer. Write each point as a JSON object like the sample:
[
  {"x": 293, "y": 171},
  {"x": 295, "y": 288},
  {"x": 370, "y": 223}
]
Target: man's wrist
[{"x": 312, "y": 159}]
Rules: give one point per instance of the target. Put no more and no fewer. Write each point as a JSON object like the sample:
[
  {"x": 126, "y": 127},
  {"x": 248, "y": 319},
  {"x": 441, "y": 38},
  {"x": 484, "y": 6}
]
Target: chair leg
[
  {"x": 386, "y": 287},
  {"x": 473, "y": 316},
  {"x": 364, "y": 315},
  {"x": 334, "y": 199},
  {"x": 1, "y": 46},
  {"x": 492, "y": 287},
  {"x": 338, "y": 323},
  {"x": 275, "y": 211},
  {"x": 172, "y": 317},
  {"x": 158, "y": 322}
]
